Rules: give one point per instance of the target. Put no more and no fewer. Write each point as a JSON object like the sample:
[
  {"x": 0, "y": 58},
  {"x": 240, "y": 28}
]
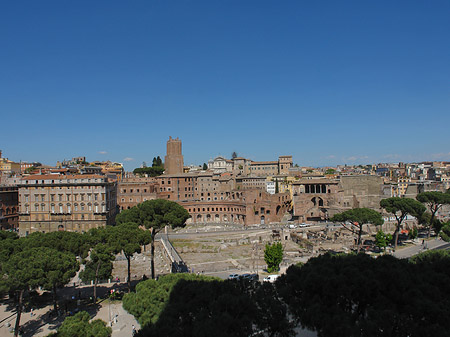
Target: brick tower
[{"x": 173, "y": 163}]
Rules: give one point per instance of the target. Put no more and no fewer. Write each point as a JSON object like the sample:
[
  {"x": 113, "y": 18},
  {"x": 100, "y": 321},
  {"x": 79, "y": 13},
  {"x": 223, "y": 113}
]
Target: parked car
[
  {"x": 250, "y": 277},
  {"x": 271, "y": 278},
  {"x": 233, "y": 276}
]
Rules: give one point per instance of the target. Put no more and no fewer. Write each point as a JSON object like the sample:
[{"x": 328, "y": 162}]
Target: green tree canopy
[
  {"x": 205, "y": 167},
  {"x": 273, "y": 255},
  {"x": 62, "y": 241},
  {"x": 155, "y": 214},
  {"x": 400, "y": 208},
  {"x": 382, "y": 239},
  {"x": 99, "y": 266},
  {"x": 191, "y": 305},
  {"x": 128, "y": 238},
  {"x": 434, "y": 201},
  {"x": 150, "y": 171},
  {"x": 358, "y": 217},
  {"x": 79, "y": 325},
  {"x": 358, "y": 295},
  {"x": 151, "y": 296}
]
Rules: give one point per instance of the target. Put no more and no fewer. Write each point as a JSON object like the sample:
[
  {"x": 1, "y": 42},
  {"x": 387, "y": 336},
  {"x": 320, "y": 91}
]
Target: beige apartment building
[{"x": 76, "y": 203}]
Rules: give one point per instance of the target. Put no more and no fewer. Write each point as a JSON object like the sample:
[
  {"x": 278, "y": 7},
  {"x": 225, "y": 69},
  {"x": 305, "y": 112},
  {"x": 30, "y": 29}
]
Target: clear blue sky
[{"x": 330, "y": 82}]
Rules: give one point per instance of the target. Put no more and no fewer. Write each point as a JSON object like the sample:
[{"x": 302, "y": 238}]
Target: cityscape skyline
[{"x": 329, "y": 83}]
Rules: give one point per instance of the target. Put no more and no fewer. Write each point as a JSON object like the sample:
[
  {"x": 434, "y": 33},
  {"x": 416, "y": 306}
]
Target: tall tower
[{"x": 173, "y": 163}]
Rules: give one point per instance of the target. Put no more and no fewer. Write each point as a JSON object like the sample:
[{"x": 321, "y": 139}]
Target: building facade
[
  {"x": 77, "y": 203},
  {"x": 9, "y": 208}
]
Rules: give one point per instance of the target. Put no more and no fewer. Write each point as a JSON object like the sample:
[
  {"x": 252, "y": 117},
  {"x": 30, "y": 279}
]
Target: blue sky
[{"x": 330, "y": 82}]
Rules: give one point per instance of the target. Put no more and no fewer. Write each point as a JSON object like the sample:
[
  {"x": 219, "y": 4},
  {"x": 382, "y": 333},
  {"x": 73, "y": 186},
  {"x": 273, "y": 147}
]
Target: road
[{"x": 432, "y": 244}]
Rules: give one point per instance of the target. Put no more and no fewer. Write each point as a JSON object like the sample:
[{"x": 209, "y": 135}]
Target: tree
[
  {"x": 128, "y": 238},
  {"x": 400, "y": 208},
  {"x": 382, "y": 239},
  {"x": 62, "y": 241},
  {"x": 234, "y": 155},
  {"x": 273, "y": 255},
  {"x": 155, "y": 214},
  {"x": 205, "y": 167},
  {"x": 58, "y": 268},
  {"x": 445, "y": 232},
  {"x": 277, "y": 189},
  {"x": 434, "y": 201},
  {"x": 365, "y": 296},
  {"x": 358, "y": 217},
  {"x": 151, "y": 296},
  {"x": 99, "y": 267},
  {"x": 330, "y": 171},
  {"x": 79, "y": 326},
  {"x": 22, "y": 271},
  {"x": 150, "y": 171}
]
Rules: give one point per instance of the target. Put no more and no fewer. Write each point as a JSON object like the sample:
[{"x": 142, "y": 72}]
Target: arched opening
[
  {"x": 278, "y": 209},
  {"x": 262, "y": 219},
  {"x": 61, "y": 228},
  {"x": 217, "y": 218},
  {"x": 320, "y": 202}
]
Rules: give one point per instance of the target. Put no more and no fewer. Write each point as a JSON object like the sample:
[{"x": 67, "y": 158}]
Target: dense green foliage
[
  {"x": 157, "y": 162},
  {"x": 151, "y": 296},
  {"x": 400, "y": 208},
  {"x": 62, "y": 241},
  {"x": 190, "y": 305},
  {"x": 79, "y": 326},
  {"x": 358, "y": 217},
  {"x": 330, "y": 171},
  {"x": 127, "y": 238},
  {"x": 357, "y": 295},
  {"x": 445, "y": 232},
  {"x": 434, "y": 201},
  {"x": 150, "y": 171},
  {"x": 382, "y": 239},
  {"x": 155, "y": 214},
  {"x": 273, "y": 255}
]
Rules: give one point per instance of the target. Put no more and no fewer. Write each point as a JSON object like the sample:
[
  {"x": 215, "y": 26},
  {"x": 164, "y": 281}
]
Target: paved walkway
[
  {"x": 418, "y": 248},
  {"x": 41, "y": 323}
]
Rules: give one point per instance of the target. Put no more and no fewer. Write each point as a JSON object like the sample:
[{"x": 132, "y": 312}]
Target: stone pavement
[
  {"x": 120, "y": 320},
  {"x": 42, "y": 323}
]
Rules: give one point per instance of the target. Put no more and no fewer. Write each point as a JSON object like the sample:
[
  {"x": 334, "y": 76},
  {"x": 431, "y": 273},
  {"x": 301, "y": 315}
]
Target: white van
[{"x": 271, "y": 278}]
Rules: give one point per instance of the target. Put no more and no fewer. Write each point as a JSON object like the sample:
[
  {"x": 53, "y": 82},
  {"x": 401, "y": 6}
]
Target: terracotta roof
[{"x": 61, "y": 176}]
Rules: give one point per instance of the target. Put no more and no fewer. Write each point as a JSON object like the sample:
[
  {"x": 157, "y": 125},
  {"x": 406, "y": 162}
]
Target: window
[
  {"x": 26, "y": 198},
  {"x": 96, "y": 208},
  {"x": 53, "y": 208},
  {"x": 69, "y": 209},
  {"x": 59, "y": 197},
  {"x": 36, "y": 197},
  {"x": 75, "y": 207},
  {"x": 42, "y": 207},
  {"x": 95, "y": 196},
  {"x": 60, "y": 208},
  {"x": 36, "y": 208}
]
